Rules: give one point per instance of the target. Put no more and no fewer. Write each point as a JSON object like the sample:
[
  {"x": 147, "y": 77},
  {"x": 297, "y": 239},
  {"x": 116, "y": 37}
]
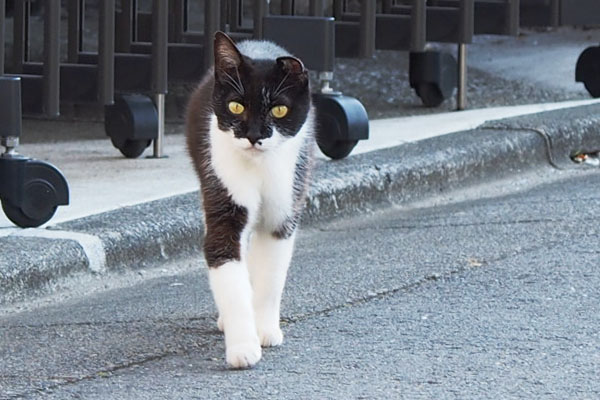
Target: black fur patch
[{"x": 225, "y": 220}]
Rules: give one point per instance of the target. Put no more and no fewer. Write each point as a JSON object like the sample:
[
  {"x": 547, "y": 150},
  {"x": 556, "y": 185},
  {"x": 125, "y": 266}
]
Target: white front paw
[
  {"x": 220, "y": 324},
  {"x": 243, "y": 355},
  {"x": 271, "y": 336}
]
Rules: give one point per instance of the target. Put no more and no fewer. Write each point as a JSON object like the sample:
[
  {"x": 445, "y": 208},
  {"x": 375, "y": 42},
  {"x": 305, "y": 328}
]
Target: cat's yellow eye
[
  {"x": 279, "y": 111},
  {"x": 235, "y": 107}
]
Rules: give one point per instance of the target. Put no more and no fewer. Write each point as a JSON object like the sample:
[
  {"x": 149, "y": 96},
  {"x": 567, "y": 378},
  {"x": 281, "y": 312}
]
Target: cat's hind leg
[{"x": 268, "y": 260}]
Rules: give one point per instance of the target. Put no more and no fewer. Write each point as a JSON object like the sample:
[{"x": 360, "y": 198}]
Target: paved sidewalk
[
  {"x": 101, "y": 180},
  {"x": 167, "y": 221}
]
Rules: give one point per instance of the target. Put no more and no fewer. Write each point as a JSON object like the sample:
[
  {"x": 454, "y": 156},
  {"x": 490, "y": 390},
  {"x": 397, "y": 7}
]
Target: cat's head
[{"x": 263, "y": 101}]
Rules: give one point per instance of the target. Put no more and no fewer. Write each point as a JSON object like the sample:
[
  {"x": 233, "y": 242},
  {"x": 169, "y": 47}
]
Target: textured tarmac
[{"x": 490, "y": 295}]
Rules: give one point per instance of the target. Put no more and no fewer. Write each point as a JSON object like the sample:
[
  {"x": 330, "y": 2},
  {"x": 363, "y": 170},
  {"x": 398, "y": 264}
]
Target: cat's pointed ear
[
  {"x": 293, "y": 66},
  {"x": 227, "y": 55}
]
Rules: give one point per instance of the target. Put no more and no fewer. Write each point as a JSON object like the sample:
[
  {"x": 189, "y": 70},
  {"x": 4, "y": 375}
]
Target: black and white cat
[{"x": 250, "y": 132}]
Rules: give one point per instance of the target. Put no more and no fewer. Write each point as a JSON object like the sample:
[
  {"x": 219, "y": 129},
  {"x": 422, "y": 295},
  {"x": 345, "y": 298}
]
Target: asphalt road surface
[{"x": 489, "y": 298}]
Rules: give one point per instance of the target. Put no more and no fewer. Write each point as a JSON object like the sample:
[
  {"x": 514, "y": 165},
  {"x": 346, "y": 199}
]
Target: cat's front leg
[
  {"x": 230, "y": 284},
  {"x": 233, "y": 295},
  {"x": 269, "y": 257}
]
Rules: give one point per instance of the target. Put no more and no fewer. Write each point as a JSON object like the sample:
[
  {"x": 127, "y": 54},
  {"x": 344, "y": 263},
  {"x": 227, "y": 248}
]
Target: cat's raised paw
[
  {"x": 270, "y": 337},
  {"x": 243, "y": 355}
]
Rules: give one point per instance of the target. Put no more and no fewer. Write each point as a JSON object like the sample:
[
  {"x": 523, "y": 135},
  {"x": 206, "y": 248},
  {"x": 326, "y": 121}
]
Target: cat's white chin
[{"x": 255, "y": 150}]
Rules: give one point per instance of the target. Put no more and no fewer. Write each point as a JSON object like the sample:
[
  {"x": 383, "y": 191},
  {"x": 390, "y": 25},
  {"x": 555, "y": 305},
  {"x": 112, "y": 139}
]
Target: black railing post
[
  {"x": 514, "y": 10},
  {"x": 75, "y": 12},
  {"x": 418, "y": 29},
  {"x": 106, "y": 53},
  {"x": 287, "y": 7},
  {"x": 338, "y": 9},
  {"x": 387, "y": 6},
  {"x": 261, "y": 9},
  {"x": 124, "y": 25},
  {"x": 52, "y": 58},
  {"x": 465, "y": 35},
  {"x": 368, "y": 9},
  {"x": 20, "y": 35},
  {"x": 316, "y": 8},
  {"x": 160, "y": 58},
  {"x": 2, "y": 18},
  {"x": 211, "y": 25}
]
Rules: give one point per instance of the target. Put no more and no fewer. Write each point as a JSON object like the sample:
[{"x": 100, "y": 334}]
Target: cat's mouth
[
  {"x": 255, "y": 146},
  {"x": 255, "y": 149}
]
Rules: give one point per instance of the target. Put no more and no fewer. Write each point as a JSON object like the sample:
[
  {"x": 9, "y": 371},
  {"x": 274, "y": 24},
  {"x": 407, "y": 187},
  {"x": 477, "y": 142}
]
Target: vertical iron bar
[
  {"x": 467, "y": 21},
  {"x": 461, "y": 94},
  {"x": 240, "y": 13},
  {"x": 515, "y": 15},
  {"x": 368, "y": 17},
  {"x": 186, "y": 13},
  {"x": 211, "y": 25},
  {"x": 260, "y": 8},
  {"x": 52, "y": 58},
  {"x": 160, "y": 50},
  {"x": 124, "y": 26},
  {"x": 106, "y": 53},
  {"x": 73, "y": 30},
  {"x": 174, "y": 20},
  {"x": 387, "y": 6},
  {"x": 338, "y": 9},
  {"x": 177, "y": 26},
  {"x": 20, "y": 35},
  {"x": 554, "y": 12},
  {"x": 316, "y": 8},
  {"x": 2, "y": 18},
  {"x": 160, "y": 33},
  {"x": 81, "y": 23},
  {"x": 287, "y": 7},
  {"x": 466, "y": 28},
  {"x": 418, "y": 29},
  {"x": 233, "y": 17},
  {"x": 224, "y": 12},
  {"x": 134, "y": 21}
]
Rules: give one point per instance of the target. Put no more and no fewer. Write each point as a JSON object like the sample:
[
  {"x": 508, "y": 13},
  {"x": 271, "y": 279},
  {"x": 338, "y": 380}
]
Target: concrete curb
[{"x": 143, "y": 235}]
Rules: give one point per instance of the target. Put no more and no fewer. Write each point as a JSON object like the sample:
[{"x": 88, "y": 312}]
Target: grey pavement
[
  {"x": 143, "y": 236},
  {"x": 492, "y": 293},
  {"x": 420, "y": 273}
]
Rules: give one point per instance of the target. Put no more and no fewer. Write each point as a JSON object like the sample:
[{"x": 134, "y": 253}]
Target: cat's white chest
[{"x": 262, "y": 183}]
